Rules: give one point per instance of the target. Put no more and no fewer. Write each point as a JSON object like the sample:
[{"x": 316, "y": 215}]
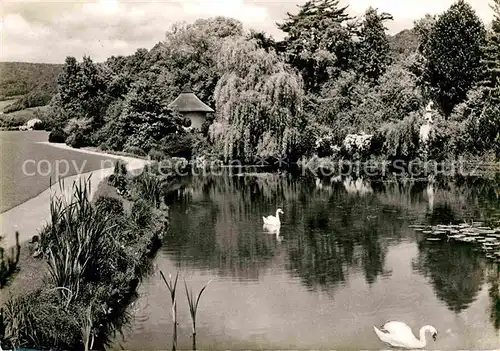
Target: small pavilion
[{"x": 189, "y": 105}]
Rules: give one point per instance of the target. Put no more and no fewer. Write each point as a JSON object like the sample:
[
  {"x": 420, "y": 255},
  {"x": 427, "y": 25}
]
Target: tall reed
[
  {"x": 149, "y": 187},
  {"x": 172, "y": 287},
  {"x": 193, "y": 307}
]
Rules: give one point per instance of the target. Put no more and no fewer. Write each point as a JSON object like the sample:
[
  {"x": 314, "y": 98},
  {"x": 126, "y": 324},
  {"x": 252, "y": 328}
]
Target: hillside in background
[
  {"x": 32, "y": 83},
  {"x": 404, "y": 42}
]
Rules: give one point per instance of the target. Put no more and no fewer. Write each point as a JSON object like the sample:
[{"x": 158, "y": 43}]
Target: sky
[{"x": 48, "y": 31}]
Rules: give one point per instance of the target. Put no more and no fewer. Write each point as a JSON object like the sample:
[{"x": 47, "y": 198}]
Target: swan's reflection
[{"x": 273, "y": 229}]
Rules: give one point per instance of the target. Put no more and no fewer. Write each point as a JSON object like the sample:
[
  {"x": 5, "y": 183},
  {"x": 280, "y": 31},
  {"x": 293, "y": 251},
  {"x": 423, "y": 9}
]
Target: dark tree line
[{"x": 333, "y": 74}]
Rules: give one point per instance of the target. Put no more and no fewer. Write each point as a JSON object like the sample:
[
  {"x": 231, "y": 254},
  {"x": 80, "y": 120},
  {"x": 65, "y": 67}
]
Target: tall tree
[
  {"x": 454, "y": 52},
  {"x": 423, "y": 28},
  {"x": 189, "y": 54},
  {"x": 263, "y": 40},
  {"x": 258, "y": 103},
  {"x": 82, "y": 89},
  {"x": 492, "y": 55},
  {"x": 145, "y": 118},
  {"x": 374, "y": 52},
  {"x": 319, "y": 41}
]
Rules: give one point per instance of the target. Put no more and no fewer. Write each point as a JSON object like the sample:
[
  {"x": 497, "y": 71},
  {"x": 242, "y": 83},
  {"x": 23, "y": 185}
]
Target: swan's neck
[
  {"x": 422, "y": 340},
  {"x": 277, "y": 215}
]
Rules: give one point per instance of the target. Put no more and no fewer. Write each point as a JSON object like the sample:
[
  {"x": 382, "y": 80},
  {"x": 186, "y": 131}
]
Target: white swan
[
  {"x": 272, "y": 220},
  {"x": 273, "y": 229},
  {"x": 398, "y": 334}
]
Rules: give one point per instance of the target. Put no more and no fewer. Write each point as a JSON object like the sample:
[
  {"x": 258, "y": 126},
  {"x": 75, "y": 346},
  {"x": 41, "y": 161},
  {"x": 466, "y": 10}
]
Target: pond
[{"x": 344, "y": 260}]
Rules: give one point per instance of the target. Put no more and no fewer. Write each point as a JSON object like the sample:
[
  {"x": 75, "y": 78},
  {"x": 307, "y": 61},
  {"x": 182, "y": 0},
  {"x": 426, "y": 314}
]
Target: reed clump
[
  {"x": 153, "y": 183},
  {"x": 172, "y": 288}
]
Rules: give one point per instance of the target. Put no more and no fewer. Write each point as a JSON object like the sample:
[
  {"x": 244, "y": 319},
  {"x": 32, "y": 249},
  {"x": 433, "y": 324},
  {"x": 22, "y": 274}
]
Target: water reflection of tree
[
  {"x": 213, "y": 223},
  {"x": 335, "y": 230},
  {"x": 494, "y": 293},
  {"x": 443, "y": 213},
  {"x": 340, "y": 233},
  {"x": 455, "y": 271},
  {"x": 477, "y": 196}
]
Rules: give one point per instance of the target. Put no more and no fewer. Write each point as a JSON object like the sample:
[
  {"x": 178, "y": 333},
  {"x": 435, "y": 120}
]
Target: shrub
[
  {"x": 135, "y": 150},
  {"x": 119, "y": 181},
  {"x": 178, "y": 145},
  {"x": 149, "y": 187},
  {"x": 119, "y": 177},
  {"x": 109, "y": 205},
  {"x": 104, "y": 146},
  {"x": 40, "y": 125},
  {"x": 156, "y": 155},
  {"x": 356, "y": 146},
  {"x": 401, "y": 139},
  {"x": 483, "y": 130},
  {"x": 57, "y": 135},
  {"x": 325, "y": 146},
  {"x": 76, "y": 139},
  {"x": 141, "y": 212},
  {"x": 120, "y": 168},
  {"x": 447, "y": 140}
]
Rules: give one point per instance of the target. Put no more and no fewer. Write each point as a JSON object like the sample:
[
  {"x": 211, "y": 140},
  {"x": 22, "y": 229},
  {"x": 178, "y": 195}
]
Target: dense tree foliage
[
  {"x": 258, "y": 103},
  {"x": 188, "y": 54},
  {"x": 492, "y": 55},
  {"x": 373, "y": 53},
  {"x": 423, "y": 29},
  {"x": 144, "y": 120},
  {"x": 319, "y": 41},
  {"x": 453, "y": 51},
  {"x": 332, "y": 76},
  {"x": 82, "y": 90}
]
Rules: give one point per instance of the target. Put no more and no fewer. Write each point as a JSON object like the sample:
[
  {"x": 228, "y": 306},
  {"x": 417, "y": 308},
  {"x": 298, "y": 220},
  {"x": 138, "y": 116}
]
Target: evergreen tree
[
  {"x": 319, "y": 41},
  {"x": 374, "y": 52},
  {"x": 454, "y": 52},
  {"x": 492, "y": 55}
]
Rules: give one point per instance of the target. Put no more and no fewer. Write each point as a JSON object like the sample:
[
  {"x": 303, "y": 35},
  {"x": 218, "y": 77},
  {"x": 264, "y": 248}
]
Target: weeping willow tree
[{"x": 258, "y": 102}]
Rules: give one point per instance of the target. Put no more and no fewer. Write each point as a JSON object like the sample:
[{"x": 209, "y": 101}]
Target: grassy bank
[{"x": 94, "y": 255}]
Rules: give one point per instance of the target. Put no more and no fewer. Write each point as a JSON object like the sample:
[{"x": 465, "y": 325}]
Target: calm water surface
[
  {"x": 18, "y": 185},
  {"x": 343, "y": 261}
]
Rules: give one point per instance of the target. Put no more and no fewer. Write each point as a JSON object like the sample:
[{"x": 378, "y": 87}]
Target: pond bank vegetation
[
  {"x": 9, "y": 261},
  {"x": 96, "y": 254}
]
